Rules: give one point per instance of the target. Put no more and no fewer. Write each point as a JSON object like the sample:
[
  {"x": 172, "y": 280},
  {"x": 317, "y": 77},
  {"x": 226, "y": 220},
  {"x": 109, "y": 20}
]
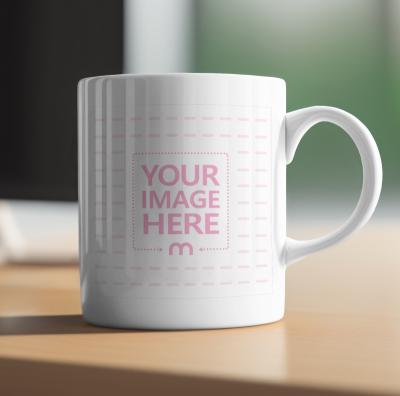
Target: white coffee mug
[{"x": 182, "y": 198}]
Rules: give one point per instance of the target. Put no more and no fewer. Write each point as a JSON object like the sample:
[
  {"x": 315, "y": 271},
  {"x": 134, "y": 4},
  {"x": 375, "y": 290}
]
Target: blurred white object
[
  {"x": 158, "y": 36},
  {"x": 38, "y": 231}
]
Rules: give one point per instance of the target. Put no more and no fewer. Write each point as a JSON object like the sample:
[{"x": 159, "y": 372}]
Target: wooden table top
[{"x": 340, "y": 335}]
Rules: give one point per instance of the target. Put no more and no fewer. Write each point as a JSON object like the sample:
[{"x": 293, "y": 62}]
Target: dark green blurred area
[{"x": 339, "y": 53}]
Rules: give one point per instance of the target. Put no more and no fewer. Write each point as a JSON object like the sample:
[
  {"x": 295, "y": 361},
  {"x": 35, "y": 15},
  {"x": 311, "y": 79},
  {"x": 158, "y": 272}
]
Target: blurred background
[{"x": 330, "y": 52}]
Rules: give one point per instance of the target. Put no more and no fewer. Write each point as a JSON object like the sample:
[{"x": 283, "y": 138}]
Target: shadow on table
[
  {"x": 54, "y": 324},
  {"x": 63, "y": 379}
]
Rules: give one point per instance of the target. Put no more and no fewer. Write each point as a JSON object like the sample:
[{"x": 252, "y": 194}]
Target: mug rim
[{"x": 151, "y": 75}]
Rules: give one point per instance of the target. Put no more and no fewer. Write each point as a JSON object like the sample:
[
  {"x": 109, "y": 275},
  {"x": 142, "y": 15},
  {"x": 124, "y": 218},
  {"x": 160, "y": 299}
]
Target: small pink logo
[{"x": 180, "y": 247}]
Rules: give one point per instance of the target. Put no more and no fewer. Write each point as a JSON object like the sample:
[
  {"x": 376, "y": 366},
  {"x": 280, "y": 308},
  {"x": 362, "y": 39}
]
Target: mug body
[{"x": 182, "y": 200}]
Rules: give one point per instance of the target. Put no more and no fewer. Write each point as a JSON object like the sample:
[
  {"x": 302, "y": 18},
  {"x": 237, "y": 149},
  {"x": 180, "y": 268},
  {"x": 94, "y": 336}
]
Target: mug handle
[{"x": 297, "y": 124}]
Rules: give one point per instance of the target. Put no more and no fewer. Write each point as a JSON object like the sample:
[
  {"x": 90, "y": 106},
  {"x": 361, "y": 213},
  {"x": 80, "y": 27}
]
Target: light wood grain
[{"x": 341, "y": 334}]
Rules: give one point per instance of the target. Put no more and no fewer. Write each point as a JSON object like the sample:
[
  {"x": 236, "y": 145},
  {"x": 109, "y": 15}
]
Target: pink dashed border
[{"x": 185, "y": 118}]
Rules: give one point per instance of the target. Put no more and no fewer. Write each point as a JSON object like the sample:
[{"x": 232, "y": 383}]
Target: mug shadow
[{"x": 53, "y": 324}]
